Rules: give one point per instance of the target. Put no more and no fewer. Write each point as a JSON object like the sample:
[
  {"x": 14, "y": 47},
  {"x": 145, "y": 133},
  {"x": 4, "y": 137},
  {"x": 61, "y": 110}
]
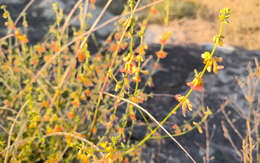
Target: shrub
[{"x": 59, "y": 101}]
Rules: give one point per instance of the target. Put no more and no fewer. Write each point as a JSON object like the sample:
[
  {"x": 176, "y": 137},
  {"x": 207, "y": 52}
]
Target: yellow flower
[
  {"x": 185, "y": 103},
  {"x": 218, "y": 40},
  {"x": 212, "y": 61},
  {"x": 165, "y": 37},
  {"x": 198, "y": 127},
  {"x": 217, "y": 67},
  {"x": 224, "y": 14},
  {"x": 206, "y": 56}
]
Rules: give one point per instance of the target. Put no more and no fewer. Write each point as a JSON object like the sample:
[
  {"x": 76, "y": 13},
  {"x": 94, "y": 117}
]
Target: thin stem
[
  {"x": 11, "y": 130},
  {"x": 179, "y": 104},
  {"x": 159, "y": 125}
]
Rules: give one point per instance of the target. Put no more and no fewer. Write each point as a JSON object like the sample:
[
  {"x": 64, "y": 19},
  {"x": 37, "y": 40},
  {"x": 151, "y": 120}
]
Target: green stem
[{"x": 179, "y": 104}]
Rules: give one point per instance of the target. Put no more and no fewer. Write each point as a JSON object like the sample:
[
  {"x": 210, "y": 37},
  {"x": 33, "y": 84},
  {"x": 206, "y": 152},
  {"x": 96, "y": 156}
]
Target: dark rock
[
  {"x": 172, "y": 75},
  {"x": 116, "y": 6},
  {"x": 41, "y": 16},
  {"x": 177, "y": 69}
]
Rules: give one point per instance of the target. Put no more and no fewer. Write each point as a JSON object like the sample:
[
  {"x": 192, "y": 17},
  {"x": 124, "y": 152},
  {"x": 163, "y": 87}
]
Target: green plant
[{"x": 55, "y": 109}]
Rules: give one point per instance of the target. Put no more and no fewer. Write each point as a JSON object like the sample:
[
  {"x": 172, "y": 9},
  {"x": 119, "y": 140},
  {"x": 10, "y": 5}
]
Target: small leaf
[
  {"x": 208, "y": 112},
  {"x": 198, "y": 127}
]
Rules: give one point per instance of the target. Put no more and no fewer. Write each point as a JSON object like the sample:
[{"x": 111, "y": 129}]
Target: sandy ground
[{"x": 243, "y": 30}]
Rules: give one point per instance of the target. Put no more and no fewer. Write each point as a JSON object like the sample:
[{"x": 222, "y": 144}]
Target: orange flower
[
  {"x": 121, "y": 21},
  {"x": 6, "y": 24},
  {"x": 97, "y": 69},
  {"x": 88, "y": 92},
  {"x": 47, "y": 58},
  {"x": 132, "y": 116},
  {"x": 122, "y": 69},
  {"x": 188, "y": 127},
  {"x": 141, "y": 100},
  {"x": 153, "y": 11},
  {"x": 130, "y": 67},
  {"x": 212, "y": 62},
  {"x": 126, "y": 160},
  {"x": 6, "y": 102},
  {"x": 22, "y": 38},
  {"x": 217, "y": 67},
  {"x": 137, "y": 78},
  {"x": 177, "y": 129},
  {"x": 92, "y": 1},
  {"x": 99, "y": 57},
  {"x": 206, "y": 56},
  {"x": 145, "y": 72},
  {"x": 35, "y": 62},
  {"x": 12, "y": 26},
  {"x": 5, "y": 15},
  {"x": 117, "y": 36},
  {"x": 53, "y": 46},
  {"x": 76, "y": 102},
  {"x": 83, "y": 97},
  {"x": 161, "y": 54},
  {"x": 165, "y": 37},
  {"x": 134, "y": 99},
  {"x": 185, "y": 103},
  {"x": 108, "y": 40},
  {"x": 81, "y": 57},
  {"x": 196, "y": 83},
  {"x": 57, "y": 128},
  {"x": 40, "y": 49},
  {"x": 70, "y": 115},
  {"x": 117, "y": 100},
  {"x": 83, "y": 157},
  {"x": 156, "y": 66},
  {"x": 113, "y": 47},
  {"x": 120, "y": 131},
  {"x": 175, "y": 126}
]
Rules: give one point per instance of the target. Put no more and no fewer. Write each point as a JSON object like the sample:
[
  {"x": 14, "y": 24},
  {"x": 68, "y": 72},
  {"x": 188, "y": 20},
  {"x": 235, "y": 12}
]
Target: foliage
[{"x": 60, "y": 101}]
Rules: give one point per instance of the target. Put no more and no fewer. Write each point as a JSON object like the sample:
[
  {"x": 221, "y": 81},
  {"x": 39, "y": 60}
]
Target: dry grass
[{"x": 244, "y": 30}]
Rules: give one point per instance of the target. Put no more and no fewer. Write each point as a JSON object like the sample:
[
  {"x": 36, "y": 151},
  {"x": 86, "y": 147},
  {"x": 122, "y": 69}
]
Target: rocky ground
[{"x": 177, "y": 69}]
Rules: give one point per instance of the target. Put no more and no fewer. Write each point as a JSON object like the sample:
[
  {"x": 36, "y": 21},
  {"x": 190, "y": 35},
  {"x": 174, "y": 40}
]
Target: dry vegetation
[
  {"x": 198, "y": 22},
  {"x": 59, "y": 101}
]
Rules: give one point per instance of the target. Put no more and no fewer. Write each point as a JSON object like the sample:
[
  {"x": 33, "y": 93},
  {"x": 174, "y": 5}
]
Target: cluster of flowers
[
  {"x": 9, "y": 23},
  {"x": 211, "y": 63}
]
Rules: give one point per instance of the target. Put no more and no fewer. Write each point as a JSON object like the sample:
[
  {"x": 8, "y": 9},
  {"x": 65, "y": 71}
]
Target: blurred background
[
  {"x": 190, "y": 21},
  {"x": 196, "y": 21}
]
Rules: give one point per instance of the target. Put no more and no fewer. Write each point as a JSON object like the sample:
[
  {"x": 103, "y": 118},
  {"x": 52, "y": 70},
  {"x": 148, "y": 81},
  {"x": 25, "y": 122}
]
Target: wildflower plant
[
  {"x": 196, "y": 83},
  {"x": 60, "y": 101}
]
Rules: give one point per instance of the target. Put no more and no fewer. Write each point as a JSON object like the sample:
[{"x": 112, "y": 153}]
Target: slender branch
[
  {"x": 150, "y": 115},
  {"x": 12, "y": 127}
]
